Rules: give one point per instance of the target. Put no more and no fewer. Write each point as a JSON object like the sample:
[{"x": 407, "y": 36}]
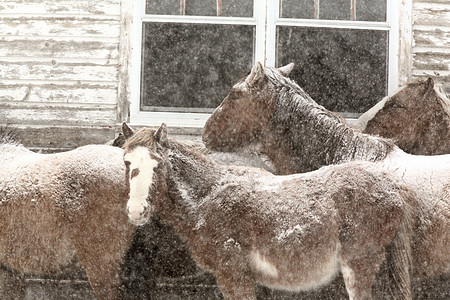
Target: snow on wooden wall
[
  {"x": 59, "y": 64},
  {"x": 431, "y": 35}
]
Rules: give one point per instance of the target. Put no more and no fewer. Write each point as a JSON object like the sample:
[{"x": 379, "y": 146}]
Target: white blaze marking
[
  {"x": 262, "y": 264},
  {"x": 140, "y": 159}
]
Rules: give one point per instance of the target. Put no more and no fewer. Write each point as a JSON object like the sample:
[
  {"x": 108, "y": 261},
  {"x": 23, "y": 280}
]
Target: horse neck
[
  {"x": 190, "y": 178},
  {"x": 310, "y": 136}
]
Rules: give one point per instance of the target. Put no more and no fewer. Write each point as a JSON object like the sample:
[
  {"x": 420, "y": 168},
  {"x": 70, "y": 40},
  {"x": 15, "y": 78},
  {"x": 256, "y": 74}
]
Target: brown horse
[
  {"x": 271, "y": 113},
  {"x": 247, "y": 225},
  {"x": 416, "y": 118},
  {"x": 57, "y": 208}
]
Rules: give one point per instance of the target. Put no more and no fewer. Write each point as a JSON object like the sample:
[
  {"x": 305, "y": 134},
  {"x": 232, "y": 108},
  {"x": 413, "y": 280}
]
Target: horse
[
  {"x": 416, "y": 118},
  {"x": 246, "y": 225},
  {"x": 270, "y": 113},
  {"x": 60, "y": 209}
]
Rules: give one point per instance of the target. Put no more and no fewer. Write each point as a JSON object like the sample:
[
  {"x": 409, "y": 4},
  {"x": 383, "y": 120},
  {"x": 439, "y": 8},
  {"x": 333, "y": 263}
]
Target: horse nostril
[{"x": 137, "y": 212}]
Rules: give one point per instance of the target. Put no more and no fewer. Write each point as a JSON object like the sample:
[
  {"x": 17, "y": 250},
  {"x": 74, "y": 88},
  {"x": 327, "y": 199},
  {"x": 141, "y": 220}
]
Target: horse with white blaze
[{"x": 294, "y": 232}]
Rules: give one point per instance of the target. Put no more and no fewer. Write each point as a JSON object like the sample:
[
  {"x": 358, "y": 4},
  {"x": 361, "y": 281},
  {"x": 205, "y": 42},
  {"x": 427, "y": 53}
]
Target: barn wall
[
  {"x": 431, "y": 36},
  {"x": 64, "y": 65},
  {"x": 59, "y": 67}
]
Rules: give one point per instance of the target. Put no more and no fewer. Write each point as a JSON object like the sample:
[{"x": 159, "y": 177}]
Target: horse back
[
  {"x": 87, "y": 176},
  {"x": 47, "y": 199}
]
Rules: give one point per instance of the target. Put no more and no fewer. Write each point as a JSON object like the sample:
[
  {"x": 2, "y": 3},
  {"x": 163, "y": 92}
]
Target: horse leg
[
  {"x": 12, "y": 285},
  {"x": 102, "y": 271},
  {"x": 234, "y": 287},
  {"x": 101, "y": 250},
  {"x": 360, "y": 274}
]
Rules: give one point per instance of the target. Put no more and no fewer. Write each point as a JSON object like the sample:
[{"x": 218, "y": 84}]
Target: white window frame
[{"x": 265, "y": 19}]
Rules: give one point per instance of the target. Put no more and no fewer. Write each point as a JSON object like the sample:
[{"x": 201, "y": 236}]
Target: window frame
[{"x": 265, "y": 19}]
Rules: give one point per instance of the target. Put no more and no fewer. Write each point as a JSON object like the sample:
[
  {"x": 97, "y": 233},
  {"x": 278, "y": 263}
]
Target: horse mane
[
  {"x": 315, "y": 133},
  {"x": 194, "y": 151},
  {"x": 187, "y": 161}
]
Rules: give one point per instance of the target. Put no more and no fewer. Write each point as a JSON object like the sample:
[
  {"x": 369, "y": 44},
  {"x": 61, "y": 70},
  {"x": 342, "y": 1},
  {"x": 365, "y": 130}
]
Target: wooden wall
[
  {"x": 59, "y": 64},
  {"x": 431, "y": 35},
  {"x": 64, "y": 65}
]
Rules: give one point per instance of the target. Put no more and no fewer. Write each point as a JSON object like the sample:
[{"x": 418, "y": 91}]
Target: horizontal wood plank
[
  {"x": 432, "y": 15},
  {"x": 57, "y": 114},
  {"x": 103, "y": 7},
  {"x": 432, "y": 61},
  {"x": 435, "y": 38},
  {"x": 57, "y": 71},
  {"x": 59, "y": 138},
  {"x": 79, "y": 93},
  {"x": 60, "y": 26},
  {"x": 438, "y": 76},
  {"x": 427, "y": 2},
  {"x": 89, "y": 48}
]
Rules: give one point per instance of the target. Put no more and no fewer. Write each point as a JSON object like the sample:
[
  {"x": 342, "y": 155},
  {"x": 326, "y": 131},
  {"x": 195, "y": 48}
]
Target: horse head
[
  {"x": 144, "y": 161},
  {"x": 417, "y": 118},
  {"x": 240, "y": 119}
]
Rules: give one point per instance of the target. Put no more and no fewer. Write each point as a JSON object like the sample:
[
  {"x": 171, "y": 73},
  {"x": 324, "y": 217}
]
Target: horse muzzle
[{"x": 138, "y": 213}]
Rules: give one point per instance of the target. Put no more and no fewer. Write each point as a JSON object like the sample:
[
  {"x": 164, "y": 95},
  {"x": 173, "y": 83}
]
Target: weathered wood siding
[
  {"x": 59, "y": 64},
  {"x": 431, "y": 34},
  {"x": 64, "y": 65}
]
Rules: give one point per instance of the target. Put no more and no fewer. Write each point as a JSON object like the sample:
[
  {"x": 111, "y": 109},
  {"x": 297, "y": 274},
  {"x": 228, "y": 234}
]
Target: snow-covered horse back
[
  {"x": 294, "y": 232},
  {"x": 269, "y": 112},
  {"x": 417, "y": 118},
  {"x": 55, "y": 208}
]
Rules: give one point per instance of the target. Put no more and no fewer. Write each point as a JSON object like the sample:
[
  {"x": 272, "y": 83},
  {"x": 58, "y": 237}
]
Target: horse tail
[{"x": 399, "y": 254}]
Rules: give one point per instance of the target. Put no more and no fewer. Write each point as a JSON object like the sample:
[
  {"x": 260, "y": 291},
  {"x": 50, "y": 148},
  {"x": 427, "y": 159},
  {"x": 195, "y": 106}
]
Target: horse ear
[
  {"x": 256, "y": 75},
  {"x": 430, "y": 82},
  {"x": 127, "y": 131},
  {"x": 119, "y": 140},
  {"x": 286, "y": 70},
  {"x": 161, "y": 134}
]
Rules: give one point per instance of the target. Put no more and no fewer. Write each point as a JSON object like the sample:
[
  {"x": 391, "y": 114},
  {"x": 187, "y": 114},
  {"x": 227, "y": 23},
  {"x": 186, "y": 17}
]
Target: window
[
  {"x": 188, "y": 53},
  {"x": 341, "y": 50}
]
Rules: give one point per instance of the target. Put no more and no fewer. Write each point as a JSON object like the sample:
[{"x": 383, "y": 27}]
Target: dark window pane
[
  {"x": 166, "y": 7},
  {"x": 201, "y": 7},
  {"x": 237, "y": 8},
  {"x": 299, "y": 9},
  {"x": 191, "y": 66},
  {"x": 226, "y": 8},
  {"x": 371, "y": 10},
  {"x": 335, "y": 9},
  {"x": 343, "y": 69}
]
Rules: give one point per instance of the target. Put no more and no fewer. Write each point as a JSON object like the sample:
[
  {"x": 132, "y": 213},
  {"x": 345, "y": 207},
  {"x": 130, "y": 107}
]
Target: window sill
[{"x": 178, "y": 123}]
